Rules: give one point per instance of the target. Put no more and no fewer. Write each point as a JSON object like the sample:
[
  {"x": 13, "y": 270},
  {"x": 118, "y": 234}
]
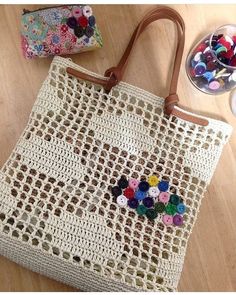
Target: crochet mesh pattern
[{"x": 57, "y": 214}]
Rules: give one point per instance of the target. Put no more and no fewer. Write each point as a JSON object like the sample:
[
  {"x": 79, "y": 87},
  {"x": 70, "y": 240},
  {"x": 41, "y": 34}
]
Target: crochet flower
[
  {"x": 150, "y": 198},
  {"x": 77, "y": 12},
  {"x": 72, "y": 22}
]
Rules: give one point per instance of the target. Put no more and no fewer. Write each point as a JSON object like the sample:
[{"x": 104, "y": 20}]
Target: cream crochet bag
[{"x": 57, "y": 213}]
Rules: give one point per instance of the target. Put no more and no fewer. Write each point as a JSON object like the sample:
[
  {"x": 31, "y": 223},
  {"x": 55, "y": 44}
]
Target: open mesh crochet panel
[{"x": 55, "y": 189}]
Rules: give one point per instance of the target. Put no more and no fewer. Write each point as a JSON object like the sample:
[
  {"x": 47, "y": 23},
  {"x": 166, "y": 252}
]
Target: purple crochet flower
[{"x": 72, "y": 22}]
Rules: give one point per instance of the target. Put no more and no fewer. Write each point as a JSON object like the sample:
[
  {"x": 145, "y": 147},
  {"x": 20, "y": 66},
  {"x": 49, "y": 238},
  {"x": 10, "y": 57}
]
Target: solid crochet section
[{"x": 55, "y": 189}]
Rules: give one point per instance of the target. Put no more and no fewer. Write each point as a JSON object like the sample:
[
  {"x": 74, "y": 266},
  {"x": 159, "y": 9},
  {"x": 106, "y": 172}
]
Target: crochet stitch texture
[{"x": 57, "y": 214}]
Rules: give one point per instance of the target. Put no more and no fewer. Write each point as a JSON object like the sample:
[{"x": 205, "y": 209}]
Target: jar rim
[{"x": 213, "y": 52}]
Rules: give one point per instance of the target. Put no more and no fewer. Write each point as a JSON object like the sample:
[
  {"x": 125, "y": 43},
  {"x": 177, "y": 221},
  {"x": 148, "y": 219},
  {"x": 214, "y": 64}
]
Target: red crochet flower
[{"x": 82, "y": 21}]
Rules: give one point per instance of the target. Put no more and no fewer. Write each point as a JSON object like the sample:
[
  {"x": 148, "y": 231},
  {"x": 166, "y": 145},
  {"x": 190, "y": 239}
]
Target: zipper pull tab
[{"x": 25, "y": 11}]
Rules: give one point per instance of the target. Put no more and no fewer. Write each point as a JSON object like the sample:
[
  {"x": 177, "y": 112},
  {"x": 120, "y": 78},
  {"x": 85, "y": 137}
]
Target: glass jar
[{"x": 211, "y": 64}]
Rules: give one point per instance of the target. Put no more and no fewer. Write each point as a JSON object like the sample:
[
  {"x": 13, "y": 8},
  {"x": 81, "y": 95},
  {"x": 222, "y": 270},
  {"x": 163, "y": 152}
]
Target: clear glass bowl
[{"x": 211, "y": 64}]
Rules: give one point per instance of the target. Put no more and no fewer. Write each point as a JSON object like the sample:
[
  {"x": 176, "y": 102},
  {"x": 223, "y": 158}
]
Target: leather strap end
[
  {"x": 114, "y": 75},
  {"x": 190, "y": 118},
  {"x": 170, "y": 102},
  {"x": 110, "y": 84}
]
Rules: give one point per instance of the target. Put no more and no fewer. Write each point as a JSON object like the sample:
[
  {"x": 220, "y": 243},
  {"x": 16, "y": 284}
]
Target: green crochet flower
[
  {"x": 151, "y": 214},
  {"x": 171, "y": 209},
  {"x": 141, "y": 210}
]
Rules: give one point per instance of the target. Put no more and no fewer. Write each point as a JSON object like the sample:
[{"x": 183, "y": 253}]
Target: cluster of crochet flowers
[{"x": 150, "y": 198}]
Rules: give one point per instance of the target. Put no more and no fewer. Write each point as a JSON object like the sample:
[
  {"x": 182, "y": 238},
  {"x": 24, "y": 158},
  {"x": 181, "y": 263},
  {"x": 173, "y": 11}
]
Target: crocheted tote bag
[{"x": 104, "y": 186}]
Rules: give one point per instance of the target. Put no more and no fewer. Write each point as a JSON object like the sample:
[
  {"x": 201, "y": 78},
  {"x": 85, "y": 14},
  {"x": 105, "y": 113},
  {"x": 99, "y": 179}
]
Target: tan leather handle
[
  {"x": 115, "y": 74},
  {"x": 160, "y": 12}
]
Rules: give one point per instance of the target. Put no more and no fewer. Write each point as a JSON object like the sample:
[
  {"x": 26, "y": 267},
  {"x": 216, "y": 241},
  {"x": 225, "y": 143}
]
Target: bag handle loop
[
  {"x": 160, "y": 12},
  {"x": 115, "y": 74}
]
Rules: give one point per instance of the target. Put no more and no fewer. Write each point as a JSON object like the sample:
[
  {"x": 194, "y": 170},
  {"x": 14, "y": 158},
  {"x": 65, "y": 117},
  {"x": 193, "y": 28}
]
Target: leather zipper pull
[{"x": 26, "y": 11}]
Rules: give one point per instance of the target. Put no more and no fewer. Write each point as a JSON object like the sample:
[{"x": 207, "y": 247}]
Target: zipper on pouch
[{"x": 26, "y": 11}]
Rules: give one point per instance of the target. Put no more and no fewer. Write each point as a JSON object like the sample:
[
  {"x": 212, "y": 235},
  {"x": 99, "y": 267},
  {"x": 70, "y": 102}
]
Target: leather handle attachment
[{"x": 115, "y": 74}]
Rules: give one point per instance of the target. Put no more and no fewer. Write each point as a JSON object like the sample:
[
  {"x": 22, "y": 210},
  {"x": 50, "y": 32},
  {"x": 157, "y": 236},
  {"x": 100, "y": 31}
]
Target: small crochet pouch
[{"x": 59, "y": 30}]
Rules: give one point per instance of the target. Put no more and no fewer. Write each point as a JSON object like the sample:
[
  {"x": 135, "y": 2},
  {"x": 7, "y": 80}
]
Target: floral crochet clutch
[{"x": 59, "y": 30}]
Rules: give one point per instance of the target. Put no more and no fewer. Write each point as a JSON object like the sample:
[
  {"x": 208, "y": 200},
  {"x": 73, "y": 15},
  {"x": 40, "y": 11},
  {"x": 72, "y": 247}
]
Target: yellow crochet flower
[{"x": 153, "y": 180}]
